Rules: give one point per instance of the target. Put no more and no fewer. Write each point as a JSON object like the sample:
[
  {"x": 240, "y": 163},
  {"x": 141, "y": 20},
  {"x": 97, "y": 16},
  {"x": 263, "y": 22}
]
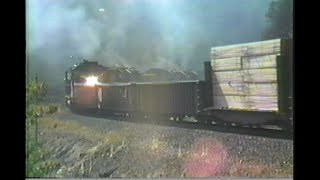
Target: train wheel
[
  {"x": 178, "y": 118},
  {"x": 203, "y": 121}
]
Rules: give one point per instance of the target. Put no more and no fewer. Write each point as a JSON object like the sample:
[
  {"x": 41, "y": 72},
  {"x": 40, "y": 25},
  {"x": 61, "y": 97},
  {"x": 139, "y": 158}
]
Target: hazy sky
[{"x": 139, "y": 33}]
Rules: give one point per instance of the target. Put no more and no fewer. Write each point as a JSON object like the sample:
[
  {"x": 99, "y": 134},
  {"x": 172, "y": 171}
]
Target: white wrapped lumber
[
  {"x": 233, "y": 63},
  {"x": 248, "y": 89},
  {"x": 230, "y": 102},
  {"x": 257, "y": 103},
  {"x": 264, "y": 47},
  {"x": 260, "y": 75},
  {"x": 220, "y": 89},
  {"x": 255, "y": 62},
  {"x": 261, "y": 89},
  {"x": 253, "y": 75},
  {"x": 247, "y": 49},
  {"x": 227, "y": 76},
  {"x": 263, "y": 103}
]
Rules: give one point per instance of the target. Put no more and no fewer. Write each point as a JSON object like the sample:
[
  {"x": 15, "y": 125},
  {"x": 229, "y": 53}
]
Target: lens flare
[
  {"x": 91, "y": 81},
  {"x": 209, "y": 158}
]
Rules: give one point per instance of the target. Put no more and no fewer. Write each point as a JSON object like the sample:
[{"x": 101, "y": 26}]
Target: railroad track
[{"x": 262, "y": 131}]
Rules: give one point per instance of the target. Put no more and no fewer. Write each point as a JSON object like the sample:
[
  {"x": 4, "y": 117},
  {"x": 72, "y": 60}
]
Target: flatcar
[{"x": 245, "y": 84}]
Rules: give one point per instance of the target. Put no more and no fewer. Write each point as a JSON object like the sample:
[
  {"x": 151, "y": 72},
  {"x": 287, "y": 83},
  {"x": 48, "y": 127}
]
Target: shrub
[
  {"x": 36, "y": 91},
  {"x": 52, "y": 109}
]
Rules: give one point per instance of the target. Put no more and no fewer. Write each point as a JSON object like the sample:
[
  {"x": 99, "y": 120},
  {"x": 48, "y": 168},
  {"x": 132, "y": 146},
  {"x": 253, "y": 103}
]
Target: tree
[
  {"x": 36, "y": 90},
  {"x": 280, "y": 17}
]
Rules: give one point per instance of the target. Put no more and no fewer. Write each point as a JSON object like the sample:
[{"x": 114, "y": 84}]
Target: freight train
[{"x": 248, "y": 84}]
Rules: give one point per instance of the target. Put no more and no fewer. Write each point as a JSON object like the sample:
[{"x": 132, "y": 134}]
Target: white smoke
[{"x": 139, "y": 33}]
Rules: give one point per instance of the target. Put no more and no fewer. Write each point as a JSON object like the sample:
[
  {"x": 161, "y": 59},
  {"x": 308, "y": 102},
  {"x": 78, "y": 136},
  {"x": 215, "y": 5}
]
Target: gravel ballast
[{"x": 99, "y": 147}]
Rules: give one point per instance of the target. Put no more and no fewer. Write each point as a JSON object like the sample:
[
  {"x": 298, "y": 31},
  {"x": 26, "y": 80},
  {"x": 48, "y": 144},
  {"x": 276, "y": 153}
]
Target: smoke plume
[{"x": 175, "y": 34}]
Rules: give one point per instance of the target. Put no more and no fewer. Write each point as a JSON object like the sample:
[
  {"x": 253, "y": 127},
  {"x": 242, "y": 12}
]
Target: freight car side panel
[
  {"x": 177, "y": 99},
  {"x": 116, "y": 98}
]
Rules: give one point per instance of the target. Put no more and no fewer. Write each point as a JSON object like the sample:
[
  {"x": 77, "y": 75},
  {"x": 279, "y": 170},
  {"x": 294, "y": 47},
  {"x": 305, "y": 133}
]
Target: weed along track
[{"x": 96, "y": 147}]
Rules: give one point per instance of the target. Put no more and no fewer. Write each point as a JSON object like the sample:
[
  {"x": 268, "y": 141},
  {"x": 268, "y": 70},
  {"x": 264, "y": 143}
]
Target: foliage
[
  {"x": 280, "y": 16},
  {"x": 36, "y": 91},
  {"x": 37, "y": 165},
  {"x": 41, "y": 110}
]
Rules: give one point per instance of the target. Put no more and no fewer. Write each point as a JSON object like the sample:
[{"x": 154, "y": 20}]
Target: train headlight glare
[{"x": 91, "y": 81}]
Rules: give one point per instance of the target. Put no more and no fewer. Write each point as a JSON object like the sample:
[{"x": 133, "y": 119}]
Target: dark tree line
[{"x": 280, "y": 17}]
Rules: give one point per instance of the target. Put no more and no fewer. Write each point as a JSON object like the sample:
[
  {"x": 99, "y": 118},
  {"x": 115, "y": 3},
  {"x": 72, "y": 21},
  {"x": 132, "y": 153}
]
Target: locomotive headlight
[{"x": 91, "y": 81}]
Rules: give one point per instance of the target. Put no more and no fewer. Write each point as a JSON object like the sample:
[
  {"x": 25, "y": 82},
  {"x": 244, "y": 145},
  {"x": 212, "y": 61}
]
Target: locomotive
[{"x": 246, "y": 84}]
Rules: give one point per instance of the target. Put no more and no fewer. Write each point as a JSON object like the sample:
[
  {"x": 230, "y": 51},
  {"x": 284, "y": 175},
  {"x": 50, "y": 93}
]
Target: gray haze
[{"x": 139, "y": 33}]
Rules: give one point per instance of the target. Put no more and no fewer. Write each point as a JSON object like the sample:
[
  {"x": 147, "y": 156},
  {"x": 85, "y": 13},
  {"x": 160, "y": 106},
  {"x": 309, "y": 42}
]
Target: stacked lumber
[
  {"x": 243, "y": 89},
  {"x": 227, "y": 64},
  {"x": 244, "y": 76},
  {"x": 243, "y": 102},
  {"x": 259, "y": 62},
  {"x": 260, "y": 75},
  {"x": 248, "y": 49}
]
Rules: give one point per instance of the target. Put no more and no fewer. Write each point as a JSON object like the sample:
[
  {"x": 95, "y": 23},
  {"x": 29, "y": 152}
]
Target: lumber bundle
[
  {"x": 227, "y": 76},
  {"x": 230, "y": 102},
  {"x": 263, "y": 103},
  {"x": 260, "y": 75},
  {"x": 248, "y": 49},
  {"x": 244, "y": 76},
  {"x": 251, "y": 75},
  {"x": 258, "y": 62},
  {"x": 233, "y": 63},
  {"x": 245, "y": 89},
  {"x": 246, "y": 102}
]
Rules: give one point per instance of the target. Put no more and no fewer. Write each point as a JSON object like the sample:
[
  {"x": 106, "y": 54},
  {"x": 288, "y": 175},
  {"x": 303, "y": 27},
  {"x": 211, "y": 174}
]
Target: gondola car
[{"x": 118, "y": 95}]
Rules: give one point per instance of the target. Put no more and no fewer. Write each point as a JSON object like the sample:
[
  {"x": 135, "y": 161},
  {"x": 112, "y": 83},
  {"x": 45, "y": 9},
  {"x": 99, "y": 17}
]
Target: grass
[
  {"x": 82, "y": 131},
  {"x": 37, "y": 165},
  {"x": 107, "y": 144},
  {"x": 156, "y": 146},
  {"x": 41, "y": 110},
  {"x": 253, "y": 169}
]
